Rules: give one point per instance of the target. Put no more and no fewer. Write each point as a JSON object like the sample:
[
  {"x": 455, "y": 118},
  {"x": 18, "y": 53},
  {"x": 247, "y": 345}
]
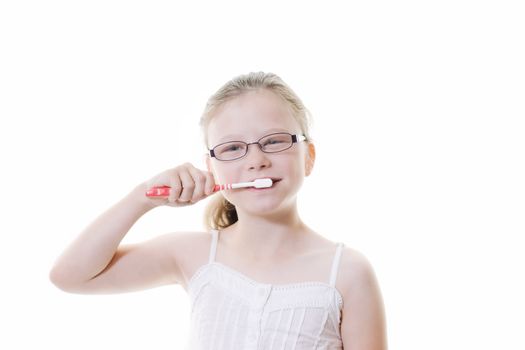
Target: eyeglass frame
[{"x": 296, "y": 138}]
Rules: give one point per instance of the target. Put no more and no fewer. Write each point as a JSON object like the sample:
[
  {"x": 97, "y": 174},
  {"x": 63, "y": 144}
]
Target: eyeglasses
[{"x": 272, "y": 143}]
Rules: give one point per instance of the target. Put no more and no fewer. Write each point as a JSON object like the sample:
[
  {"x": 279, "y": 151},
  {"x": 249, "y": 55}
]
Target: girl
[{"x": 259, "y": 277}]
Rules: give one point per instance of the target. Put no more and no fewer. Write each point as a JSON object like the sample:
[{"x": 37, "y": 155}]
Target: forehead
[{"x": 251, "y": 116}]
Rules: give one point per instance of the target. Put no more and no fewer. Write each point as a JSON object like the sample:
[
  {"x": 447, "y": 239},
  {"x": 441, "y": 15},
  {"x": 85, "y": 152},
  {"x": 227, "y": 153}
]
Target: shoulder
[
  {"x": 186, "y": 242},
  {"x": 189, "y": 236},
  {"x": 185, "y": 247},
  {"x": 354, "y": 267},
  {"x": 189, "y": 251},
  {"x": 363, "y": 318},
  {"x": 182, "y": 238},
  {"x": 356, "y": 274}
]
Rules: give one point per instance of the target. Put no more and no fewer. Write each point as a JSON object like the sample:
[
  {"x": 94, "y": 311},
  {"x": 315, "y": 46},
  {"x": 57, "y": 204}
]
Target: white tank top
[{"x": 230, "y": 311}]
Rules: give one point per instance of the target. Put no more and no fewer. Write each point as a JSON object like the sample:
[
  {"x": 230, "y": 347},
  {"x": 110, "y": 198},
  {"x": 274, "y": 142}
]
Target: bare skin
[
  {"x": 309, "y": 260},
  {"x": 269, "y": 244}
]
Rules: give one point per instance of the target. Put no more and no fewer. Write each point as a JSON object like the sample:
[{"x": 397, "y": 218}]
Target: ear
[{"x": 310, "y": 158}]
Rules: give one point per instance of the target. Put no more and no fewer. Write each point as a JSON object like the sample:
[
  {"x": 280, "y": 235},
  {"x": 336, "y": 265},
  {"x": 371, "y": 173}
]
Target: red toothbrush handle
[
  {"x": 158, "y": 191},
  {"x": 164, "y": 191}
]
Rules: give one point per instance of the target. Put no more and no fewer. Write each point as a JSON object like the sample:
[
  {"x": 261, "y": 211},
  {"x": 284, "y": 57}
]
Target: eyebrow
[{"x": 238, "y": 136}]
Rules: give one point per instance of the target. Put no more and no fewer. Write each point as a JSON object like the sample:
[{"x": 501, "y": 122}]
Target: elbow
[
  {"x": 59, "y": 278},
  {"x": 66, "y": 283}
]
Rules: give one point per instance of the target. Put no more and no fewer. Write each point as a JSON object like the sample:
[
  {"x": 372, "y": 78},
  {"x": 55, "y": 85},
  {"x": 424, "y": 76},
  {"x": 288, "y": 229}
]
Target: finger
[
  {"x": 210, "y": 183},
  {"x": 176, "y": 188},
  {"x": 187, "y": 186},
  {"x": 200, "y": 180}
]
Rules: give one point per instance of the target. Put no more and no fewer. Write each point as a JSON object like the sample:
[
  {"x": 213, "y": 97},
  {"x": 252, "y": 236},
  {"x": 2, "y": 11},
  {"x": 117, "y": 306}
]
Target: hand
[{"x": 188, "y": 186}]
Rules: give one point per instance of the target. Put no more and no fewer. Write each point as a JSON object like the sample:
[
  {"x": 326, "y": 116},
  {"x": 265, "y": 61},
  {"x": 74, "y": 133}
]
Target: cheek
[
  {"x": 297, "y": 165},
  {"x": 226, "y": 175}
]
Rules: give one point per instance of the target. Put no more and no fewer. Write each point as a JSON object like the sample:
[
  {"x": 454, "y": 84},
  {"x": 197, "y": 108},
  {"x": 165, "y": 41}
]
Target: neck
[{"x": 264, "y": 238}]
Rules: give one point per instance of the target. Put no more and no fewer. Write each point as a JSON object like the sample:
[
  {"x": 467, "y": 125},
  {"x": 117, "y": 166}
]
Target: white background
[{"x": 418, "y": 109}]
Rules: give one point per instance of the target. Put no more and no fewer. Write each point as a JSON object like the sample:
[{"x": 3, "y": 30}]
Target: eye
[
  {"x": 231, "y": 148},
  {"x": 272, "y": 142}
]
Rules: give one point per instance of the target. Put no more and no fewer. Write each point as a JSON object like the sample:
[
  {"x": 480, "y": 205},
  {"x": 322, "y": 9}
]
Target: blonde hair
[{"x": 219, "y": 212}]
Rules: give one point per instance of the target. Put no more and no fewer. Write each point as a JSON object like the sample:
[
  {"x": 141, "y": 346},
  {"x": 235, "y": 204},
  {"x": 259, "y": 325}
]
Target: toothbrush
[{"x": 164, "y": 191}]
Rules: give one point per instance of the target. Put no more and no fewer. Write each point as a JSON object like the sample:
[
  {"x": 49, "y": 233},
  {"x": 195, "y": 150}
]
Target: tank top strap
[
  {"x": 335, "y": 263},
  {"x": 213, "y": 246}
]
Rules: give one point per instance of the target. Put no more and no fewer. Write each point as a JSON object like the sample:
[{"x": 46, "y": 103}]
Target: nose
[{"x": 255, "y": 157}]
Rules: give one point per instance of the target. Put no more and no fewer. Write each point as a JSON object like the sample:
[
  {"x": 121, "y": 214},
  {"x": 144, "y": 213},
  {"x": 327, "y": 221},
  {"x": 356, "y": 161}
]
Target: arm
[
  {"x": 95, "y": 263},
  {"x": 363, "y": 323},
  {"x": 95, "y": 247}
]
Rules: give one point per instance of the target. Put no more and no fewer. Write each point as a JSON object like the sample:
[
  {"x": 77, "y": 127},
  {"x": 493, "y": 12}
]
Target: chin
[
  {"x": 261, "y": 204},
  {"x": 259, "y": 207},
  {"x": 266, "y": 207}
]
